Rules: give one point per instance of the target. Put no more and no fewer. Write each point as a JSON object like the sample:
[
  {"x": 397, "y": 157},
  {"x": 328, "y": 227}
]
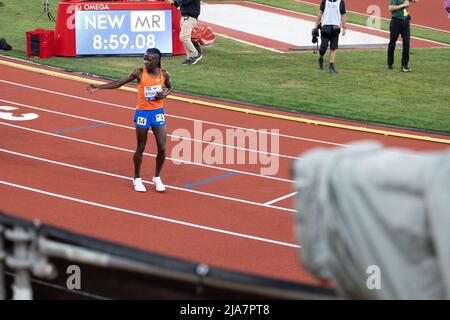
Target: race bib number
[
  {"x": 160, "y": 117},
  {"x": 141, "y": 121},
  {"x": 151, "y": 91}
]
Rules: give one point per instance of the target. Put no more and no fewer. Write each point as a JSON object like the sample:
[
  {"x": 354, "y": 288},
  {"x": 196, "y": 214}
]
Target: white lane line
[
  {"x": 129, "y": 178},
  {"x": 151, "y": 216},
  {"x": 169, "y": 115},
  {"x": 148, "y": 154},
  {"x": 262, "y": 132},
  {"x": 169, "y": 135},
  {"x": 281, "y": 198}
]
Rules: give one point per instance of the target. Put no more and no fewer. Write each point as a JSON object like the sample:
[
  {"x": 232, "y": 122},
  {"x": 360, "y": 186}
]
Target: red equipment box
[{"x": 40, "y": 43}]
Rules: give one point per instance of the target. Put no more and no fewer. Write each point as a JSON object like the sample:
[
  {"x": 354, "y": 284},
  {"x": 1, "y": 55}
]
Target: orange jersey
[{"x": 147, "y": 89}]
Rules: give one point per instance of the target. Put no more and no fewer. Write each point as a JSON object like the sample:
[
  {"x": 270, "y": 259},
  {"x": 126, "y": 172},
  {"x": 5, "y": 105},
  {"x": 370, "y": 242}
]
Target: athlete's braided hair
[{"x": 154, "y": 50}]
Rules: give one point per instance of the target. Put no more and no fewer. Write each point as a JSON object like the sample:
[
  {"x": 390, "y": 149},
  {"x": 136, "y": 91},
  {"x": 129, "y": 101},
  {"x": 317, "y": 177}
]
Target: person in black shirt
[
  {"x": 332, "y": 15},
  {"x": 190, "y": 10}
]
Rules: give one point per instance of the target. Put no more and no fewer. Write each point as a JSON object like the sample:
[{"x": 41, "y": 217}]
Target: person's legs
[
  {"x": 331, "y": 68},
  {"x": 394, "y": 29},
  {"x": 187, "y": 24},
  {"x": 334, "y": 44},
  {"x": 406, "y": 34},
  {"x": 141, "y": 139},
  {"x": 332, "y": 56},
  {"x": 321, "y": 62},
  {"x": 324, "y": 39},
  {"x": 197, "y": 46},
  {"x": 160, "y": 138}
]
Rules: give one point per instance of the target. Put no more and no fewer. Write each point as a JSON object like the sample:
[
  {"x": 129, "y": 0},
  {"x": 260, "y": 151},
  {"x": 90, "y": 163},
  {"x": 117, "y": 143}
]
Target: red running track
[{"x": 79, "y": 179}]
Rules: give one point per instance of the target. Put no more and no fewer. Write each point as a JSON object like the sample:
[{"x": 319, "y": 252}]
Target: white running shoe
[
  {"x": 138, "y": 185},
  {"x": 159, "y": 185}
]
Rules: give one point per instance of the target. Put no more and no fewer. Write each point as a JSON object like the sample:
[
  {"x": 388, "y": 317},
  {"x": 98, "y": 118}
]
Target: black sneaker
[
  {"x": 390, "y": 67},
  {"x": 187, "y": 62},
  {"x": 196, "y": 59},
  {"x": 321, "y": 63},
  {"x": 331, "y": 69},
  {"x": 405, "y": 69}
]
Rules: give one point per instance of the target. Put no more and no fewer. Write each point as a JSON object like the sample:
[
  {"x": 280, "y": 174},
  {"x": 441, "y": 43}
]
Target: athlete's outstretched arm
[{"x": 115, "y": 84}]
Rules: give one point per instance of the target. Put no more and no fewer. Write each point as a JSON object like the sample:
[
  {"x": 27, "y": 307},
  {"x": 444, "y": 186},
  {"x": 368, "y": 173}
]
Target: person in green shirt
[{"x": 399, "y": 26}]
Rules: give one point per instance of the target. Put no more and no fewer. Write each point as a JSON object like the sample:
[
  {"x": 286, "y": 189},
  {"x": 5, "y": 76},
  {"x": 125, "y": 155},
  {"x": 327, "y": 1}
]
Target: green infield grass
[{"x": 364, "y": 90}]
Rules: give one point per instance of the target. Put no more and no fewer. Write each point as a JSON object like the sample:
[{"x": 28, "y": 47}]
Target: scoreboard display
[{"x": 120, "y": 32}]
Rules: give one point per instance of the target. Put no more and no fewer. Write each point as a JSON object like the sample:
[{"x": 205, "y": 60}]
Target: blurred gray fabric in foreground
[{"x": 365, "y": 207}]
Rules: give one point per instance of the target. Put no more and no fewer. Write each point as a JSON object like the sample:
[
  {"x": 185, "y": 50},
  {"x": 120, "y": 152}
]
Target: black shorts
[{"x": 329, "y": 34}]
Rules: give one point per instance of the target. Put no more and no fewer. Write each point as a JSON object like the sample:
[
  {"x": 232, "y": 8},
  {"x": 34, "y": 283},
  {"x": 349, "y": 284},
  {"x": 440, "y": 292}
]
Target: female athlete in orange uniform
[{"x": 154, "y": 86}]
